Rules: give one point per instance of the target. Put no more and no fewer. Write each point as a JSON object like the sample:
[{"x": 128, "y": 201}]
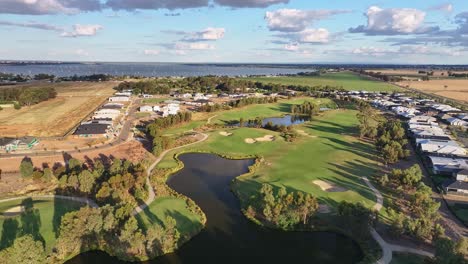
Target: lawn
[
  {"x": 156, "y": 213},
  {"x": 330, "y": 152},
  {"x": 402, "y": 258},
  {"x": 347, "y": 80},
  {"x": 42, "y": 223},
  {"x": 461, "y": 211}
]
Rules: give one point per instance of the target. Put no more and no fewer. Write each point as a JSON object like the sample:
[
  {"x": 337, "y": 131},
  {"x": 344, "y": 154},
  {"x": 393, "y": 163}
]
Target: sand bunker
[
  {"x": 267, "y": 138},
  {"x": 329, "y": 187},
  {"x": 17, "y": 210},
  {"x": 224, "y": 133},
  {"x": 303, "y": 133}
]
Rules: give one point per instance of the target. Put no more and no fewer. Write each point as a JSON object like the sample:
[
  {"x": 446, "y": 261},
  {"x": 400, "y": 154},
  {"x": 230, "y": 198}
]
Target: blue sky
[{"x": 278, "y": 31}]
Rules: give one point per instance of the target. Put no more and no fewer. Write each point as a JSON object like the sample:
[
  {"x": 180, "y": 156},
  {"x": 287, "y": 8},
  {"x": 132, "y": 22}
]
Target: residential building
[
  {"x": 146, "y": 108},
  {"x": 92, "y": 130},
  {"x": 119, "y": 99},
  {"x": 444, "y": 147}
]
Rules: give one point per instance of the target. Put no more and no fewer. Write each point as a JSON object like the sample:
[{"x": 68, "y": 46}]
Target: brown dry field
[
  {"x": 437, "y": 73},
  {"x": 456, "y": 88},
  {"x": 57, "y": 116},
  {"x": 133, "y": 151}
]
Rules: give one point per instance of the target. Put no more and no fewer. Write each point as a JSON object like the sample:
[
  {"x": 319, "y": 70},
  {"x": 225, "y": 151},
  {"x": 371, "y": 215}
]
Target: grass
[
  {"x": 266, "y": 110},
  {"x": 461, "y": 211},
  {"x": 142, "y": 114},
  {"x": 347, "y": 80},
  {"x": 43, "y": 224},
  {"x": 156, "y": 213},
  {"x": 403, "y": 258},
  {"x": 332, "y": 153},
  {"x": 56, "y": 116}
]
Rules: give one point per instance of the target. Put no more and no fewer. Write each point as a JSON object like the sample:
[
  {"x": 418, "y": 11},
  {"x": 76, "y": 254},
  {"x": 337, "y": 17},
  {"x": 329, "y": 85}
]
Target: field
[
  {"x": 156, "y": 213},
  {"x": 328, "y": 150},
  {"x": 461, "y": 211},
  {"x": 451, "y": 88},
  {"x": 57, "y": 116},
  {"x": 348, "y": 81},
  {"x": 42, "y": 222}
]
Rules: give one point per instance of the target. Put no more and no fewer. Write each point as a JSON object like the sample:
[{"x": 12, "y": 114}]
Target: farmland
[
  {"x": 451, "y": 88},
  {"x": 347, "y": 80},
  {"x": 57, "y": 116}
]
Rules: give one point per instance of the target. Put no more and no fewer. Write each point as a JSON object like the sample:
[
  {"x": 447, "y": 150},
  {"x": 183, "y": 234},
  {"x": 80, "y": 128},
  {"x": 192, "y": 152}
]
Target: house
[
  {"x": 200, "y": 102},
  {"x": 445, "y": 147},
  {"x": 455, "y": 187},
  {"x": 99, "y": 121},
  {"x": 453, "y": 121},
  {"x": 112, "y": 106},
  {"x": 428, "y": 132},
  {"x": 13, "y": 144},
  {"x": 447, "y": 166},
  {"x": 146, "y": 108},
  {"x": 156, "y": 108},
  {"x": 119, "y": 99},
  {"x": 147, "y": 96},
  {"x": 92, "y": 130},
  {"x": 423, "y": 120},
  {"x": 463, "y": 117},
  {"x": 127, "y": 94}
]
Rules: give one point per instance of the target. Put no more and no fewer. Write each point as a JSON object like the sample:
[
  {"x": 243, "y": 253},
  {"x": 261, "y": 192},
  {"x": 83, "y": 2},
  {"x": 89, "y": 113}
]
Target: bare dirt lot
[
  {"x": 450, "y": 88},
  {"x": 57, "y": 116},
  {"x": 411, "y": 72}
]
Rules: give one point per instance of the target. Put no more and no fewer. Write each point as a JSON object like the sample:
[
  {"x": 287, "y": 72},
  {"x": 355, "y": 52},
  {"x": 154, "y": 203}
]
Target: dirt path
[
  {"x": 151, "y": 194},
  {"x": 209, "y": 119},
  {"x": 387, "y": 248}
]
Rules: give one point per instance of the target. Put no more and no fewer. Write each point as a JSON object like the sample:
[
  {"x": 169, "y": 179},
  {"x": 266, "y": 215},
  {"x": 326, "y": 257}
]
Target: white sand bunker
[
  {"x": 328, "y": 186},
  {"x": 267, "y": 138},
  {"x": 224, "y": 133},
  {"x": 324, "y": 209},
  {"x": 303, "y": 133},
  {"x": 17, "y": 210}
]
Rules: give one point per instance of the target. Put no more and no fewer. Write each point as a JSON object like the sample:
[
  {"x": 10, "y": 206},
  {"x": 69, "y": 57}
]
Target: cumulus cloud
[
  {"x": 34, "y": 25},
  {"x": 193, "y": 46},
  {"x": 294, "y": 20},
  {"x": 151, "y": 52},
  {"x": 405, "y": 50},
  {"x": 82, "y": 30},
  {"x": 206, "y": 34},
  {"x": 311, "y": 36},
  {"x": 249, "y": 3},
  {"x": 44, "y": 7},
  {"x": 393, "y": 21},
  {"x": 292, "y": 46},
  {"x": 131, "y": 5},
  {"x": 447, "y": 7}
]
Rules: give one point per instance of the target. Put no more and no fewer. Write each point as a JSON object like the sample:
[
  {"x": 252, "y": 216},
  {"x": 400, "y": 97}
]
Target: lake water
[
  {"x": 229, "y": 237},
  {"x": 151, "y": 69},
  {"x": 286, "y": 120}
]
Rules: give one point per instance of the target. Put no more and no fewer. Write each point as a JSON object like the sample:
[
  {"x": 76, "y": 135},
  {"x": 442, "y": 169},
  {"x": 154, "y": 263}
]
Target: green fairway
[
  {"x": 268, "y": 110},
  {"x": 156, "y": 213},
  {"x": 461, "y": 211},
  {"x": 402, "y": 258},
  {"x": 349, "y": 81},
  {"x": 42, "y": 222},
  {"x": 329, "y": 150}
]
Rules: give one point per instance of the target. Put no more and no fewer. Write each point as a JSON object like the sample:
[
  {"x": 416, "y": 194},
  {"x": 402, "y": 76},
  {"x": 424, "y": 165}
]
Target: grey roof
[
  {"x": 459, "y": 185},
  {"x": 91, "y": 129},
  {"x": 6, "y": 141}
]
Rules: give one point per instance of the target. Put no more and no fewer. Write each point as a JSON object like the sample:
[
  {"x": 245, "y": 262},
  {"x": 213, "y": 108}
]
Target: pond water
[
  {"x": 229, "y": 237},
  {"x": 286, "y": 120}
]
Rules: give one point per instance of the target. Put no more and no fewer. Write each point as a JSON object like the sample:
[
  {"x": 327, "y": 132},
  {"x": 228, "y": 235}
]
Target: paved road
[
  {"x": 387, "y": 248},
  {"x": 151, "y": 194}
]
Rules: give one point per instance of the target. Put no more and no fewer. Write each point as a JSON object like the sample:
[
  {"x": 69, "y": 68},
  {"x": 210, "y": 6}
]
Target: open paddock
[
  {"x": 57, "y": 116},
  {"x": 451, "y": 88}
]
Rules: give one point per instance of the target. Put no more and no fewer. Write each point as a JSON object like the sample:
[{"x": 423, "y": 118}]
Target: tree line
[
  {"x": 307, "y": 108},
  {"x": 26, "y": 96},
  {"x": 155, "y": 130}
]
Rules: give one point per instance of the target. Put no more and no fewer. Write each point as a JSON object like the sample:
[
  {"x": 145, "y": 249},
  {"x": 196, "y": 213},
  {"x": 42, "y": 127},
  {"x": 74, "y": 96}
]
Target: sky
[{"x": 253, "y": 31}]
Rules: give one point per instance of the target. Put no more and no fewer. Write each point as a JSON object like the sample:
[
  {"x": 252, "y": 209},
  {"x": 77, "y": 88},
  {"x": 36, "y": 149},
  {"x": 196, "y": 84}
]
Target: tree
[
  {"x": 445, "y": 252},
  {"x": 26, "y": 168},
  {"x": 24, "y": 251},
  {"x": 86, "y": 180}
]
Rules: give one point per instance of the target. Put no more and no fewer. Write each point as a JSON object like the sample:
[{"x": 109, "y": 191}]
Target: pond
[
  {"x": 229, "y": 237},
  {"x": 286, "y": 120}
]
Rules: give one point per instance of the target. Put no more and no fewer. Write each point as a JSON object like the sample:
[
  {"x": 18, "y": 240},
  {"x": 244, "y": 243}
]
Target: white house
[
  {"x": 146, "y": 108},
  {"x": 119, "y": 99},
  {"x": 123, "y": 94},
  {"x": 447, "y": 147},
  {"x": 147, "y": 96},
  {"x": 456, "y": 122},
  {"x": 423, "y": 120},
  {"x": 156, "y": 108}
]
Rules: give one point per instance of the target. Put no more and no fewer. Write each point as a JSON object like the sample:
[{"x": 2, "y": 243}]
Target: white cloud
[
  {"x": 295, "y": 20},
  {"x": 151, "y": 52},
  {"x": 43, "y": 7},
  {"x": 393, "y": 21},
  {"x": 292, "y": 46},
  {"x": 447, "y": 7},
  {"x": 194, "y": 46},
  {"x": 250, "y": 3},
  {"x": 81, "y": 52},
  {"x": 406, "y": 50},
  {"x": 313, "y": 35},
  {"x": 83, "y": 30},
  {"x": 210, "y": 33},
  {"x": 35, "y": 25}
]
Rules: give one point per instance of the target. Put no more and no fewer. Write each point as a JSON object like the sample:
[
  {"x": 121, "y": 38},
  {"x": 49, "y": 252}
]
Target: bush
[{"x": 17, "y": 106}]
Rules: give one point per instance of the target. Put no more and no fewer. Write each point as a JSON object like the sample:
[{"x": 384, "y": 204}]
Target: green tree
[
  {"x": 26, "y": 168},
  {"x": 24, "y": 251},
  {"x": 86, "y": 180}
]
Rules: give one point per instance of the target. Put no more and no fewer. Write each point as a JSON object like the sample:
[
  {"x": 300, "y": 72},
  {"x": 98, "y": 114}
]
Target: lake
[
  {"x": 151, "y": 69},
  {"x": 229, "y": 237},
  {"x": 286, "y": 120}
]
